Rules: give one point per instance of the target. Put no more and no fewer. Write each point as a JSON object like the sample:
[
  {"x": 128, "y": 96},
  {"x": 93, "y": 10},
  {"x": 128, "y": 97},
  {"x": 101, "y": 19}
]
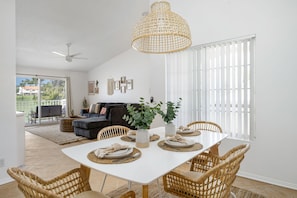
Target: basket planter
[
  {"x": 142, "y": 138},
  {"x": 170, "y": 130}
]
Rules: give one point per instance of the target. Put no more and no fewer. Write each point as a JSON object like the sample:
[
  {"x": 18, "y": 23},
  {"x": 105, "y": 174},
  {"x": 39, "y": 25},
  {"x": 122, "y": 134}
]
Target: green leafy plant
[
  {"x": 171, "y": 111},
  {"x": 141, "y": 117},
  {"x": 85, "y": 103}
]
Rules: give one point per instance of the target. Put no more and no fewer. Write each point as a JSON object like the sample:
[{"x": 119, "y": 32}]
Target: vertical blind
[{"x": 216, "y": 83}]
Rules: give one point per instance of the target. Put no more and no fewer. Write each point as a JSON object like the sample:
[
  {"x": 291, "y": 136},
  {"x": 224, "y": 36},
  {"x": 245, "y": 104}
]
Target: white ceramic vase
[
  {"x": 170, "y": 129},
  {"x": 142, "y": 138}
]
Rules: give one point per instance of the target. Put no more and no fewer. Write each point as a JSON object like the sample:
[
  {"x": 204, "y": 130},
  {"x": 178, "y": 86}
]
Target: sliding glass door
[{"x": 34, "y": 92}]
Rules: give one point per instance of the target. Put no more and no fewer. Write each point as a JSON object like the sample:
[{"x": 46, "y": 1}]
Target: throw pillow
[
  {"x": 103, "y": 111},
  {"x": 92, "y": 108},
  {"x": 97, "y": 108}
]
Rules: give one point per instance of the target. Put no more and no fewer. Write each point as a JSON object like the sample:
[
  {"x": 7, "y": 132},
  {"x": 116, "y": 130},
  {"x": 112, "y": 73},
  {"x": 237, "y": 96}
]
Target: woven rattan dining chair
[
  {"x": 112, "y": 131},
  {"x": 109, "y": 132},
  {"x": 212, "y": 180},
  {"x": 74, "y": 183},
  {"x": 207, "y": 126}
]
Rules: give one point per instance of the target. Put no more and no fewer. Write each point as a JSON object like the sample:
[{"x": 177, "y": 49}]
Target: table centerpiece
[
  {"x": 141, "y": 118},
  {"x": 168, "y": 115}
]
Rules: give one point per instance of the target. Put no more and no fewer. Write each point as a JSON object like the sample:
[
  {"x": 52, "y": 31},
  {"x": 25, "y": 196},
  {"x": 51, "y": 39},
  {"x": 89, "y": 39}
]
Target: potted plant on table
[
  {"x": 141, "y": 118},
  {"x": 168, "y": 115}
]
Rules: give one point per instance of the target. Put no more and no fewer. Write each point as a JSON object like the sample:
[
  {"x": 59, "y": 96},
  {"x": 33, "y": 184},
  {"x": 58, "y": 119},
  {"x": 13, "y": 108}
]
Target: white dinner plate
[
  {"x": 119, "y": 153},
  {"x": 188, "y": 143},
  {"x": 185, "y": 131}
]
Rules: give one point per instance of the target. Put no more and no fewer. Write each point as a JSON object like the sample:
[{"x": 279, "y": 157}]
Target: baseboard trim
[
  {"x": 267, "y": 180},
  {"x": 5, "y": 180}
]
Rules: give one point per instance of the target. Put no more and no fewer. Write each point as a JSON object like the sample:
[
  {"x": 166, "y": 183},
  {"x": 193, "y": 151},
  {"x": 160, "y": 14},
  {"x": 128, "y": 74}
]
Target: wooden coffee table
[{"x": 66, "y": 123}]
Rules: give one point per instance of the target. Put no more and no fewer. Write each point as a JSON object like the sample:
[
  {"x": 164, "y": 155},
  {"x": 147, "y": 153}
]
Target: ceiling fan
[{"x": 69, "y": 56}]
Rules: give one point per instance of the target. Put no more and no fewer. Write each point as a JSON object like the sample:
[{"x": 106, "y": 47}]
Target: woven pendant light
[{"x": 161, "y": 31}]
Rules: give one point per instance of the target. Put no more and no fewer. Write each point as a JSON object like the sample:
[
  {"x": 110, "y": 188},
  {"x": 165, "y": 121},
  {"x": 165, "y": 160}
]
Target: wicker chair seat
[{"x": 213, "y": 180}]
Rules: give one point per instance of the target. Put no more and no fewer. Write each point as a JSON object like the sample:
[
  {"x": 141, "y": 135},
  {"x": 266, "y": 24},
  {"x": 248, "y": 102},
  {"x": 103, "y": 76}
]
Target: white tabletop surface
[{"x": 153, "y": 163}]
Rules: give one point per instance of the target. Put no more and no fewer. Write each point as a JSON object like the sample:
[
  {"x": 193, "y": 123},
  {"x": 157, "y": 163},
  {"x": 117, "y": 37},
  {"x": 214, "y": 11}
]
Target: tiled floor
[{"x": 46, "y": 160}]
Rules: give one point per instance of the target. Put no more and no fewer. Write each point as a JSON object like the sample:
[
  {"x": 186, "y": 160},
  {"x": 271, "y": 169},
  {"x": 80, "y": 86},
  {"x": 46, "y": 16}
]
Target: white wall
[
  {"x": 78, "y": 81},
  {"x": 146, "y": 71},
  {"x": 272, "y": 157},
  {"x": 131, "y": 64},
  {"x": 8, "y": 133}
]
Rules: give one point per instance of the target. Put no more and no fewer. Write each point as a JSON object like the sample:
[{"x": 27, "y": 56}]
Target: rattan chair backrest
[
  {"x": 112, "y": 131},
  {"x": 214, "y": 182},
  {"x": 205, "y": 125},
  {"x": 65, "y": 185}
]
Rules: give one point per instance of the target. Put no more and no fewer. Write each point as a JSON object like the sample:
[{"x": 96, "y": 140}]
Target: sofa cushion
[
  {"x": 103, "y": 111},
  {"x": 90, "y": 123},
  {"x": 109, "y": 106},
  {"x": 94, "y": 108},
  {"x": 97, "y": 108}
]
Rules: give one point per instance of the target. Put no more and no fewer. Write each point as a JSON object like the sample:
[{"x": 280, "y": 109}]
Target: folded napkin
[
  {"x": 101, "y": 152},
  {"x": 182, "y": 128},
  {"x": 177, "y": 138}
]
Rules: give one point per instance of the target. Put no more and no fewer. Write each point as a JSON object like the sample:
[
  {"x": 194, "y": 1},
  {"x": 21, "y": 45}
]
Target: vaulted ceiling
[{"x": 98, "y": 29}]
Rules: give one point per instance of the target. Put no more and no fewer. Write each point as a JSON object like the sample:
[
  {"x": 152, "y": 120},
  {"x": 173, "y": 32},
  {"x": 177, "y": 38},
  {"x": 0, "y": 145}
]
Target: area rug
[
  {"x": 154, "y": 192},
  {"x": 52, "y": 132}
]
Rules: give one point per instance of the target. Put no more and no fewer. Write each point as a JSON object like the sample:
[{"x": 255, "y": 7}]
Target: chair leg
[
  {"x": 103, "y": 182},
  {"x": 159, "y": 189}
]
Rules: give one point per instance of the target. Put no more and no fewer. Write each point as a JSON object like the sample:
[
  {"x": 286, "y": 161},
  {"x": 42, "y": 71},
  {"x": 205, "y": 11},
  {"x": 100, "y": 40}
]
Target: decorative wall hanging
[
  {"x": 110, "y": 86},
  {"x": 97, "y": 87},
  {"x": 123, "y": 84},
  {"x": 91, "y": 87},
  {"x": 130, "y": 84},
  {"x": 116, "y": 85}
]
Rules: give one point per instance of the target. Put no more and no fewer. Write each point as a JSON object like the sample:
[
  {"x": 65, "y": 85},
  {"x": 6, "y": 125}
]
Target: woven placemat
[
  {"x": 126, "y": 138},
  {"x": 194, "y": 133},
  {"x": 129, "y": 158},
  {"x": 195, "y": 147}
]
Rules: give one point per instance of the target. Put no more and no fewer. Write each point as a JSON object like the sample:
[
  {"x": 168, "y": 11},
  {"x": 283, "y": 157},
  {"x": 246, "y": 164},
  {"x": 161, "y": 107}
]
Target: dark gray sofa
[{"x": 90, "y": 126}]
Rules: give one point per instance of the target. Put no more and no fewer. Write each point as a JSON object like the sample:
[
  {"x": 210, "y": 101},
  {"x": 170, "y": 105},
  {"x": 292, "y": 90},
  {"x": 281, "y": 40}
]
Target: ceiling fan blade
[
  {"x": 58, "y": 54},
  {"x": 82, "y": 58},
  {"x": 76, "y": 54}
]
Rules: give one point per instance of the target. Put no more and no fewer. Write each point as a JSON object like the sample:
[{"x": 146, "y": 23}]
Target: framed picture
[
  {"x": 117, "y": 85},
  {"x": 123, "y": 80},
  {"x": 96, "y": 90},
  {"x": 91, "y": 87},
  {"x": 123, "y": 89},
  {"x": 130, "y": 84}
]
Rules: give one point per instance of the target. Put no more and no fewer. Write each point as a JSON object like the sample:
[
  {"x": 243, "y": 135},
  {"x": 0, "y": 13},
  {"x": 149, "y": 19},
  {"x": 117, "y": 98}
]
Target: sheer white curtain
[
  {"x": 179, "y": 84},
  {"x": 68, "y": 94},
  {"x": 216, "y": 84}
]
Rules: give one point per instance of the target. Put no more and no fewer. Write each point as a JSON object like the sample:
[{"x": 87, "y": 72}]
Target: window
[
  {"x": 33, "y": 91},
  {"x": 216, "y": 83}
]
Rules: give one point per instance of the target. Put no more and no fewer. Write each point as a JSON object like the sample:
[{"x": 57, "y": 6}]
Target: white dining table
[{"x": 153, "y": 163}]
